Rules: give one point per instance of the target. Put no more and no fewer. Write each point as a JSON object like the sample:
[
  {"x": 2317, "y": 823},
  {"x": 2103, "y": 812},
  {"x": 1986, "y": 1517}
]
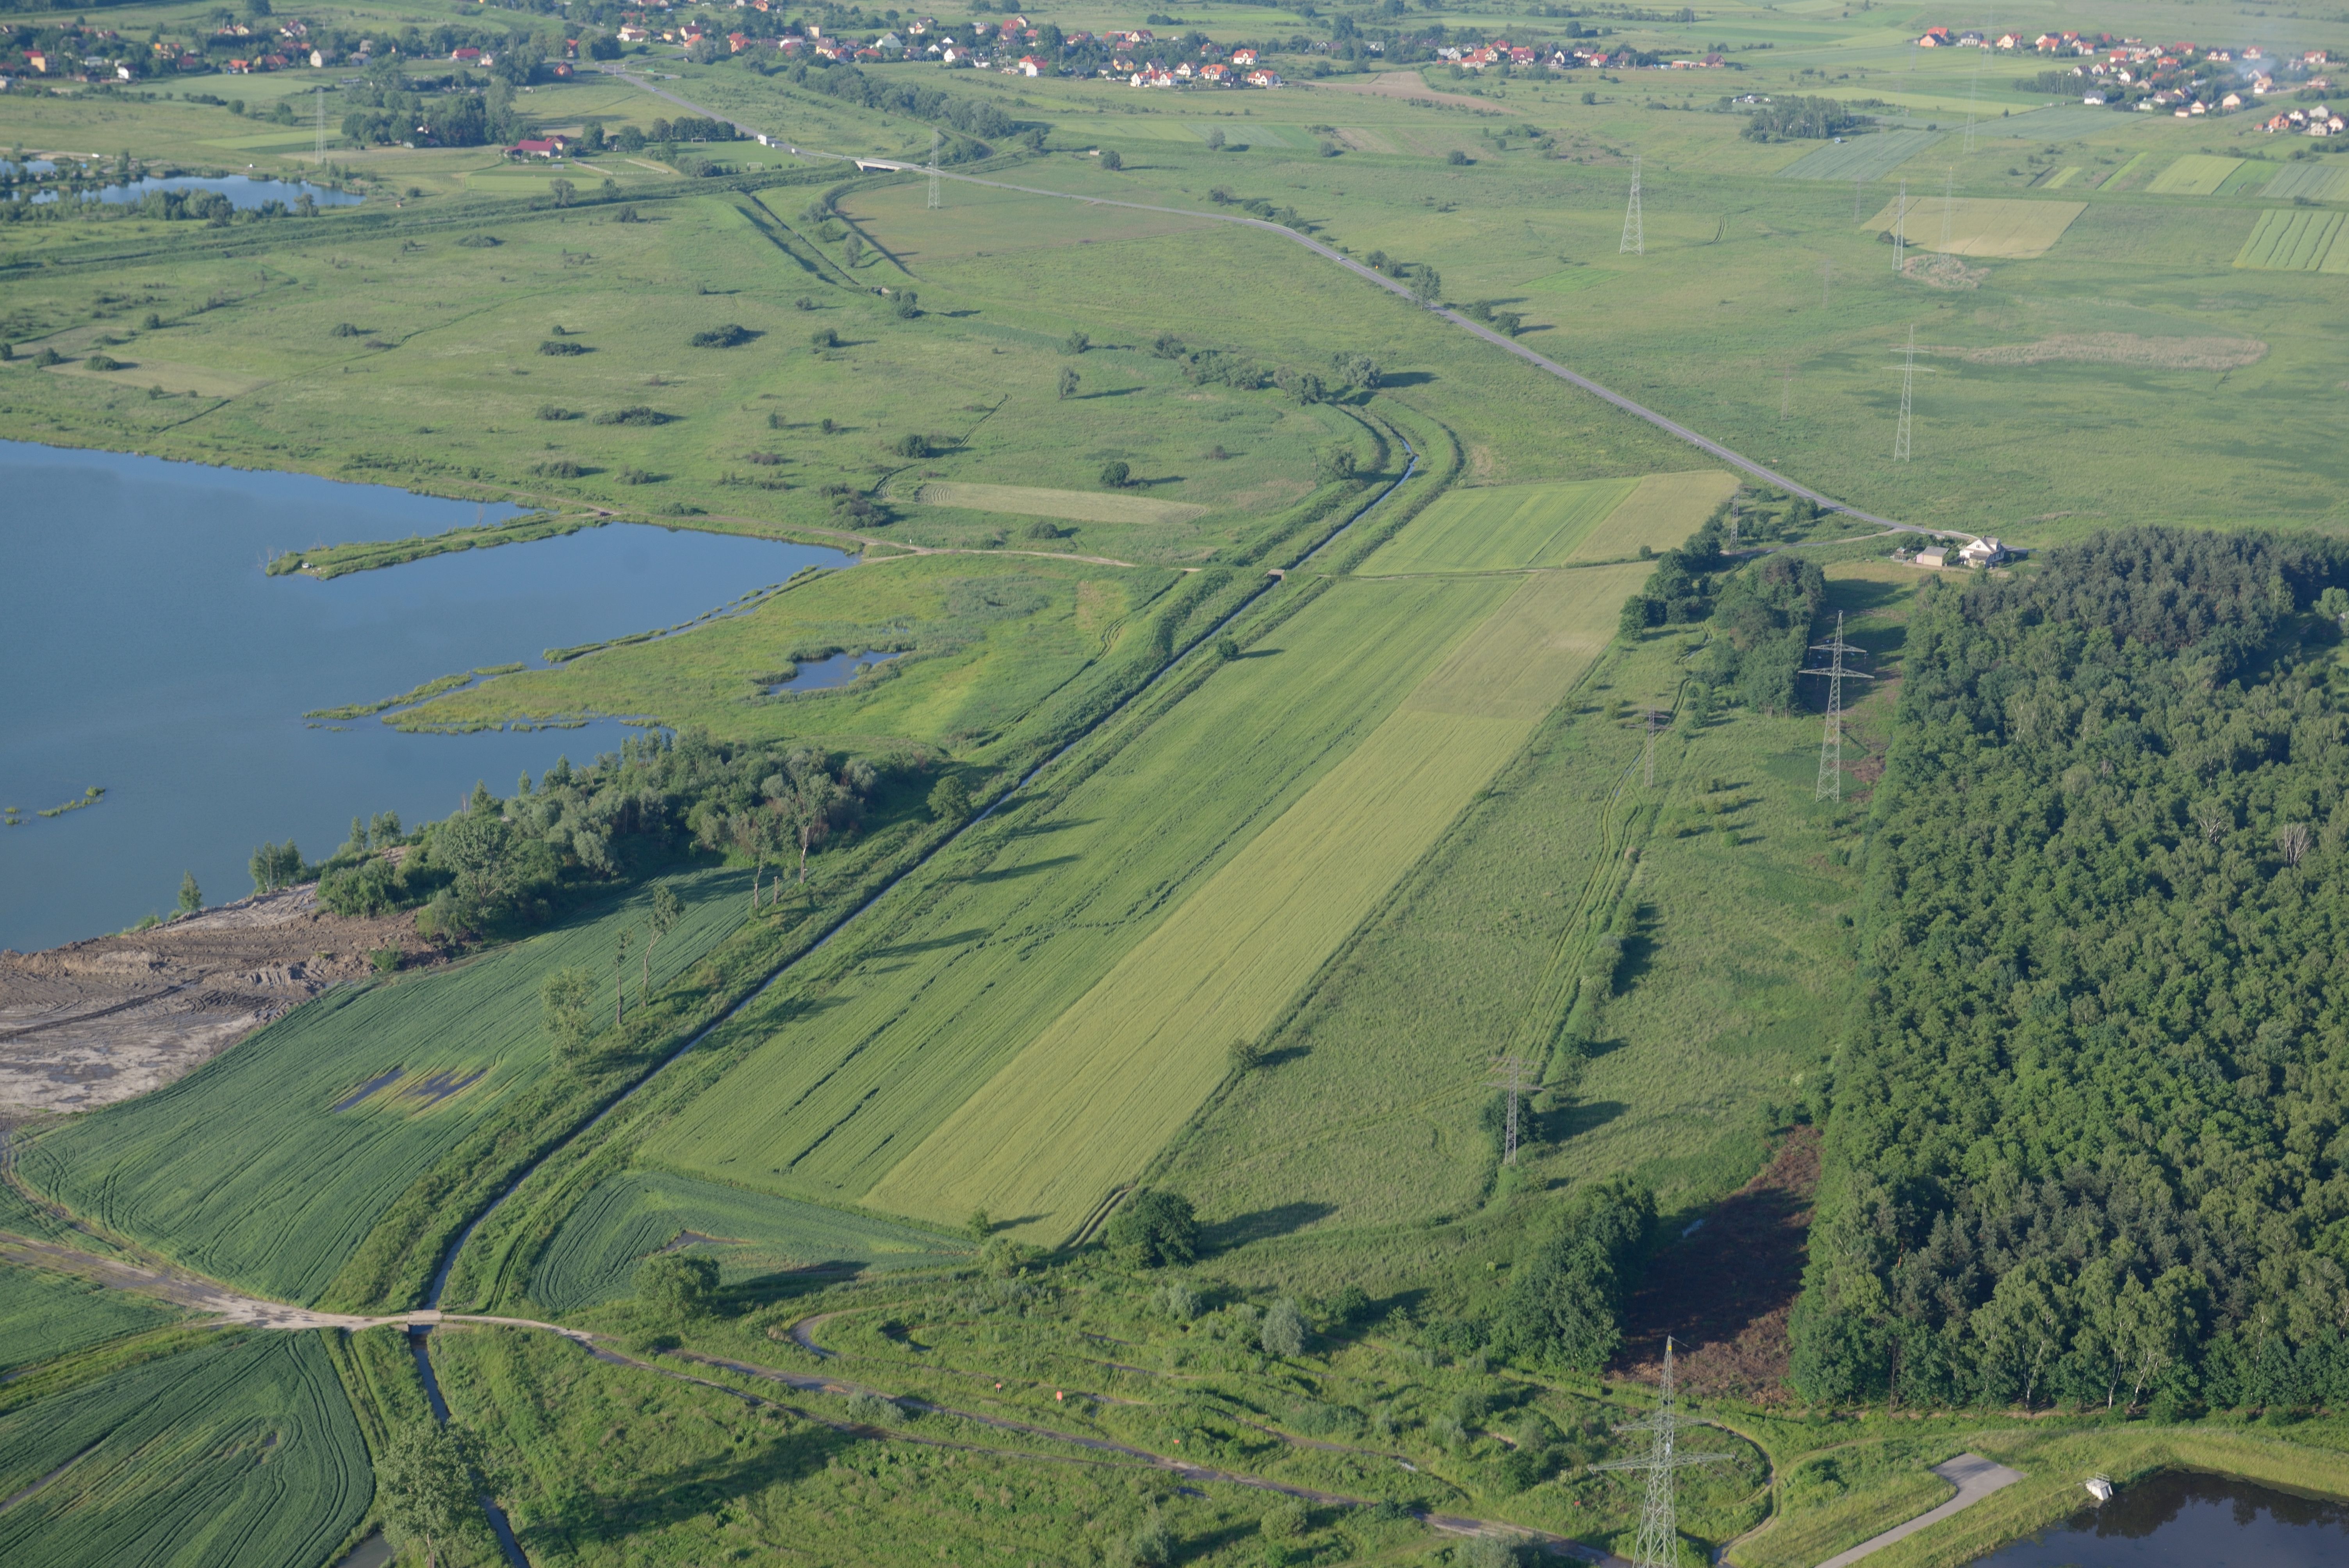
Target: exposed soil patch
[
  {"x": 104, "y": 1019},
  {"x": 1723, "y": 1293},
  {"x": 2128, "y": 348},
  {"x": 1943, "y": 271}
]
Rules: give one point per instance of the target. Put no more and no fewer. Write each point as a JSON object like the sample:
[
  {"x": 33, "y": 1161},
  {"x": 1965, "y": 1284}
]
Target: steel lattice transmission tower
[
  {"x": 1509, "y": 1073},
  {"x": 1831, "y": 743},
  {"x": 935, "y": 142},
  {"x": 1908, "y": 385},
  {"x": 1652, "y": 719},
  {"x": 1659, "y": 1544},
  {"x": 1900, "y": 229},
  {"x": 1635, "y": 238},
  {"x": 1949, "y": 184}
]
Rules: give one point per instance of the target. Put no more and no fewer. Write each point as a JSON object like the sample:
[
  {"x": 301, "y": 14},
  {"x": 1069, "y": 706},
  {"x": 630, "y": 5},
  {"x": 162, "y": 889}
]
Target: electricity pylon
[
  {"x": 1635, "y": 239},
  {"x": 1900, "y": 228},
  {"x": 1831, "y": 743},
  {"x": 1908, "y": 385},
  {"x": 934, "y": 203},
  {"x": 1659, "y": 1544},
  {"x": 1509, "y": 1073},
  {"x": 1653, "y": 719},
  {"x": 1949, "y": 184}
]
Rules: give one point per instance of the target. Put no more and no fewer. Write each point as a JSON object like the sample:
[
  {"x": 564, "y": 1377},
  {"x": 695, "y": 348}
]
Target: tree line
[{"x": 2087, "y": 1140}]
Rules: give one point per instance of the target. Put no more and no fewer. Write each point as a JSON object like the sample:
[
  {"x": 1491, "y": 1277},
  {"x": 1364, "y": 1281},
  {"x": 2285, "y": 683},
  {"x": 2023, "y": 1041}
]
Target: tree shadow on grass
[
  {"x": 1028, "y": 870},
  {"x": 659, "y": 1500},
  {"x": 907, "y": 949},
  {"x": 1281, "y": 1220},
  {"x": 1406, "y": 378},
  {"x": 1574, "y": 1120}
]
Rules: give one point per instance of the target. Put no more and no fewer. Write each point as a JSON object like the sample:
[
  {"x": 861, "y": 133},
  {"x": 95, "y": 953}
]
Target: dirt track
[{"x": 104, "y": 1019}]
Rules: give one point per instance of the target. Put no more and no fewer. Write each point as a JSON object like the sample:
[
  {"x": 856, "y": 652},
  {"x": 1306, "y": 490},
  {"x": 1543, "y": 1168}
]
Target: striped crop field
[
  {"x": 1661, "y": 514},
  {"x": 44, "y": 1316},
  {"x": 1102, "y": 1088},
  {"x": 1081, "y": 506},
  {"x": 1861, "y": 157},
  {"x": 2292, "y": 240},
  {"x": 243, "y": 1454},
  {"x": 266, "y": 1166},
  {"x": 2196, "y": 175},
  {"x": 879, "y": 1040},
  {"x": 1982, "y": 226},
  {"x": 627, "y": 1218},
  {"x": 1501, "y": 528},
  {"x": 2317, "y": 181}
]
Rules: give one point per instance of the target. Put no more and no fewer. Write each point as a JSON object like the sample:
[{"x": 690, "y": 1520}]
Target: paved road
[
  {"x": 1499, "y": 340},
  {"x": 1974, "y": 1477}
]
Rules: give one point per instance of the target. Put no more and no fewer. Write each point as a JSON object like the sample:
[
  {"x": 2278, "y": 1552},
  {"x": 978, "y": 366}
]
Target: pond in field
[
  {"x": 2212, "y": 1521},
  {"x": 243, "y": 190},
  {"x": 148, "y": 656},
  {"x": 824, "y": 674}
]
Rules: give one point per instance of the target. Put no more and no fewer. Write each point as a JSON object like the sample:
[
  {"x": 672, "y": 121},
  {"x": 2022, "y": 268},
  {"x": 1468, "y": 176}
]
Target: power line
[
  {"x": 1908, "y": 382},
  {"x": 1948, "y": 183},
  {"x": 1509, "y": 1073},
  {"x": 1652, "y": 719},
  {"x": 322, "y": 128},
  {"x": 1827, "y": 275},
  {"x": 1635, "y": 239},
  {"x": 935, "y": 140},
  {"x": 1900, "y": 228},
  {"x": 1658, "y": 1543},
  {"x": 1830, "y": 786}
]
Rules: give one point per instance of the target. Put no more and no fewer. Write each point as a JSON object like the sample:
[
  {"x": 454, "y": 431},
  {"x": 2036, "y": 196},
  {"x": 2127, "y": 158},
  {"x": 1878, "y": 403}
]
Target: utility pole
[
  {"x": 1830, "y": 786},
  {"x": 936, "y": 138},
  {"x": 1948, "y": 183},
  {"x": 1509, "y": 1072},
  {"x": 1900, "y": 228},
  {"x": 1658, "y": 1543},
  {"x": 1654, "y": 719},
  {"x": 1635, "y": 239},
  {"x": 1907, "y": 384}
]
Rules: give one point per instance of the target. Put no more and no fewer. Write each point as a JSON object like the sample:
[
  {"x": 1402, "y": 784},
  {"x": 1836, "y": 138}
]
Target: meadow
[
  {"x": 243, "y": 1451},
  {"x": 268, "y": 1167},
  {"x": 627, "y": 1218}
]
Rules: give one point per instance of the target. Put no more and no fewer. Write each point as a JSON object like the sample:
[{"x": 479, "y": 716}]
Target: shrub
[
  {"x": 1284, "y": 1329},
  {"x": 949, "y": 799},
  {"x": 1116, "y": 476},
  {"x": 906, "y": 305},
  {"x": 1455, "y": 157},
  {"x": 345, "y": 329},
  {"x": 636, "y": 415},
  {"x": 549, "y": 411},
  {"x": 824, "y": 337},
  {"x": 1076, "y": 342},
  {"x": 635, "y": 477},
  {"x": 103, "y": 362},
  {"x": 48, "y": 357},
  {"x": 558, "y": 346},
  {"x": 727, "y": 337},
  {"x": 677, "y": 1285},
  {"x": 1110, "y": 159},
  {"x": 481, "y": 242},
  {"x": 912, "y": 446},
  {"x": 558, "y": 469}
]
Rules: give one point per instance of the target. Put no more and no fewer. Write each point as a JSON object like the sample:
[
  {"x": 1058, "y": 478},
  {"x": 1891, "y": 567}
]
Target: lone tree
[
  {"x": 667, "y": 911},
  {"x": 1110, "y": 159},
  {"x": 678, "y": 1286},
  {"x": 429, "y": 1489},
  {"x": 1152, "y": 1228},
  {"x": 1116, "y": 475},
  {"x": 949, "y": 799},
  {"x": 191, "y": 897},
  {"x": 1068, "y": 382},
  {"x": 567, "y": 998}
]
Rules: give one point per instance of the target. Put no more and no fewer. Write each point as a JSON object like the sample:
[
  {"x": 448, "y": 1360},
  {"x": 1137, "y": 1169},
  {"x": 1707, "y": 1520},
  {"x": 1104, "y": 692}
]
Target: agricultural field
[
  {"x": 44, "y": 1316},
  {"x": 359, "y": 1093},
  {"x": 2292, "y": 241},
  {"x": 2193, "y": 175},
  {"x": 243, "y": 1451},
  {"x": 1501, "y": 528},
  {"x": 628, "y": 1218},
  {"x": 1969, "y": 226}
]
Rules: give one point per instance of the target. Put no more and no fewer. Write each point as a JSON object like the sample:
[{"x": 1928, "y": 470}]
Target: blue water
[
  {"x": 146, "y": 651},
  {"x": 241, "y": 191},
  {"x": 824, "y": 674},
  {"x": 2210, "y": 1521}
]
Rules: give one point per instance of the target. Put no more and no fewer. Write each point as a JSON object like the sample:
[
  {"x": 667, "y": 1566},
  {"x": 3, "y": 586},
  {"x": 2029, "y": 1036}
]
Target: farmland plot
[
  {"x": 627, "y": 1218},
  {"x": 1661, "y": 514},
  {"x": 265, "y": 1167},
  {"x": 1082, "y": 506},
  {"x": 2196, "y": 175},
  {"x": 44, "y": 1316},
  {"x": 245, "y": 1455},
  {"x": 1501, "y": 528},
  {"x": 2317, "y": 181},
  {"x": 1861, "y": 157},
  {"x": 2291, "y": 240},
  {"x": 864, "y": 1058},
  {"x": 1118, "y": 1073},
  {"x": 1980, "y": 226}
]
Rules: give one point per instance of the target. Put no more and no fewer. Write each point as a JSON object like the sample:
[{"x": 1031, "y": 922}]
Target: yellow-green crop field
[
  {"x": 1661, "y": 514},
  {"x": 2292, "y": 240},
  {"x": 1982, "y": 226},
  {"x": 1084, "y": 506},
  {"x": 868, "y": 1054},
  {"x": 2196, "y": 175},
  {"x": 1118, "y": 1073},
  {"x": 1501, "y": 528}
]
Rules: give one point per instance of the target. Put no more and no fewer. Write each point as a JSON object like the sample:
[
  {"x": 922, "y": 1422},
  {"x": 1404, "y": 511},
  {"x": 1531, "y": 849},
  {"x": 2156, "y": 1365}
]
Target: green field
[
  {"x": 45, "y": 1316},
  {"x": 1861, "y": 157},
  {"x": 2292, "y": 241},
  {"x": 2193, "y": 175},
  {"x": 1967, "y": 226},
  {"x": 627, "y": 1218},
  {"x": 247, "y": 1171},
  {"x": 1504, "y": 528},
  {"x": 244, "y": 1452},
  {"x": 2317, "y": 181}
]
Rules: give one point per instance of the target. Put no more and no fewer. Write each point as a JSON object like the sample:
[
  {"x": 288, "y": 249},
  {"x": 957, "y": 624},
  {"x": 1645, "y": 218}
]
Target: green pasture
[
  {"x": 880, "y": 1041},
  {"x": 245, "y": 1170},
  {"x": 988, "y": 638},
  {"x": 2292, "y": 241},
  {"x": 242, "y": 1452},
  {"x": 45, "y": 1316},
  {"x": 1501, "y": 528},
  {"x": 1861, "y": 157},
  {"x": 593, "y": 1257},
  {"x": 2193, "y": 175}
]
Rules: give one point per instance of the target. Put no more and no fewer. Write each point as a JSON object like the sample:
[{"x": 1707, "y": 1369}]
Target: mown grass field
[
  {"x": 627, "y": 1218},
  {"x": 872, "y": 1050},
  {"x": 242, "y": 1452},
  {"x": 2294, "y": 240},
  {"x": 245, "y": 1172},
  {"x": 1977, "y": 226},
  {"x": 45, "y": 1316},
  {"x": 1500, "y": 527},
  {"x": 1659, "y": 515},
  {"x": 1084, "y": 506},
  {"x": 2193, "y": 175}
]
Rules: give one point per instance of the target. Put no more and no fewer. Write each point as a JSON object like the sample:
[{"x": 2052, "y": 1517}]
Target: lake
[
  {"x": 148, "y": 653},
  {"x": 243, "y": 191},
  {"x": 2212, "y": 1521}
]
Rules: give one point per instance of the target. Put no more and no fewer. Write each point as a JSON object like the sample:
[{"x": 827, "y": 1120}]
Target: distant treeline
[
  {"x": 1802, "y": 119},
  {"x": 972, "y": 116},
  {"x": 2089, "y": 1134}
]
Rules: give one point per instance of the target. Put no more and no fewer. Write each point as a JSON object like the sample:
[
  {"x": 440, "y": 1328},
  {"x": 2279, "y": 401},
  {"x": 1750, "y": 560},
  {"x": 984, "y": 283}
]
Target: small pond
[
  {"x": 148, "y": 654},
  {"x": 2210, "y": 1521},
  {"x": 823, "y": 675},
  {"x": 243, "y": 191}
]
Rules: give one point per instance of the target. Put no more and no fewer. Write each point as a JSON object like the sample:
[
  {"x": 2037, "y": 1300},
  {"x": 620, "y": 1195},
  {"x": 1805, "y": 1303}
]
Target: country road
[{"x": 1499, "y": 340}]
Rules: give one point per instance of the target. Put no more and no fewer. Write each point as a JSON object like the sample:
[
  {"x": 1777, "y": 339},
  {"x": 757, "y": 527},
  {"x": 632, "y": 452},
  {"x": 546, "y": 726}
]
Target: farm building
[{"x": 1937, "y": 557}]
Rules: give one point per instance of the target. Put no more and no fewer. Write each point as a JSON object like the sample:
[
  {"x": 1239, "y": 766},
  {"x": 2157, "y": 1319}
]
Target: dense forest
[{"x": 2086, "y": 1141}]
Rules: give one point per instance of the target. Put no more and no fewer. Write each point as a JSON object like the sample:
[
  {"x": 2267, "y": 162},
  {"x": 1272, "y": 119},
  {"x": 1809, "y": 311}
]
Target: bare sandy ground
[{"x": 104, "y": 1019}]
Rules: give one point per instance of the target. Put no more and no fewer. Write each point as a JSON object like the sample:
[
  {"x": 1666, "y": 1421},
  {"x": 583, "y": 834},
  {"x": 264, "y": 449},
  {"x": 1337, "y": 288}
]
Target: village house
[{"x": 1983, "y": 552}]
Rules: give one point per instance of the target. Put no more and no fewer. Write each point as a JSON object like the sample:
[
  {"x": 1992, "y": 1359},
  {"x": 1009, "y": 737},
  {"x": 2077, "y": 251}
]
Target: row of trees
[{"x": 2089, "y": 1137}]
